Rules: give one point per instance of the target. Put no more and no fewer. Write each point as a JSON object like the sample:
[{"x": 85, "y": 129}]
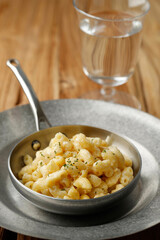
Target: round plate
[{"x": 138, "y": 211}]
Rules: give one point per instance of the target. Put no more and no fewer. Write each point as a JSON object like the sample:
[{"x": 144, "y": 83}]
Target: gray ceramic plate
[{"x": 137, "y": 212}]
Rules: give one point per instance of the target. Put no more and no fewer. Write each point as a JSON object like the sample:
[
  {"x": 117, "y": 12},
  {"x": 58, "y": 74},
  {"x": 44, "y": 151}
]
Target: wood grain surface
[{"x": 44, "y": 36}]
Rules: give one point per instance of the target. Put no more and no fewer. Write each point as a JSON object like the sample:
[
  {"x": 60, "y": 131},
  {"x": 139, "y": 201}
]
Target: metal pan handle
[{"x": 39, "y": 116}]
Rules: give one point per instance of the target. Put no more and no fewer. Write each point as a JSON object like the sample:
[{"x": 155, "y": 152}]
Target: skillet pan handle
[{"x": 39, "y": 116}]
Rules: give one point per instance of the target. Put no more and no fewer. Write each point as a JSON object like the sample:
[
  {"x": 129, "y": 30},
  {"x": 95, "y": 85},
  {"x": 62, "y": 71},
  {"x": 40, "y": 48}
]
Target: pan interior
[{"x": 44, "y": 137}]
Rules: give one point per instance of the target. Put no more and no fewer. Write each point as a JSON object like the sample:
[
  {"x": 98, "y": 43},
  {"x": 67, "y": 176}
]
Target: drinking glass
[{"x": 111, "y": 34}]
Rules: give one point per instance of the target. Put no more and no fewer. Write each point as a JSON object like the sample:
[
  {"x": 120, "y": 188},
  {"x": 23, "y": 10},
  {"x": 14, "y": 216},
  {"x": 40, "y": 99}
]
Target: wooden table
[{"x": 44, "y": 36}]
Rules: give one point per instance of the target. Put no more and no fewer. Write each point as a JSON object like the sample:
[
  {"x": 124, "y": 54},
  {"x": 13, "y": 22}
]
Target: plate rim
[{"x": 68, "y": 100}]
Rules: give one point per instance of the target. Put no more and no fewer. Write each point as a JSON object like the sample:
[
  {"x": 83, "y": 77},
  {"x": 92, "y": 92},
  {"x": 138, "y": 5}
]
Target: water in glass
[{"x": 110, "y": 48}]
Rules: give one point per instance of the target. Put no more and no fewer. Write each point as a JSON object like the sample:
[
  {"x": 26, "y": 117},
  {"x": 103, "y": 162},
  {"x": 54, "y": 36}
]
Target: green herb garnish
[{"x": 41, "y": 154}]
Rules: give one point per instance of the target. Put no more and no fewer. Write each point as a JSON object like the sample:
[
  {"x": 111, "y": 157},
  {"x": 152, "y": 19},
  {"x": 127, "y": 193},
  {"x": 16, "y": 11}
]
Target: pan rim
[{"x": 102, "y": 198}]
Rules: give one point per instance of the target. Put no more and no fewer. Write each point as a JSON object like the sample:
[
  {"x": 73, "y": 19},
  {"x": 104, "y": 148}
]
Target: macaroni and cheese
[{"x": 77, "y": 168}]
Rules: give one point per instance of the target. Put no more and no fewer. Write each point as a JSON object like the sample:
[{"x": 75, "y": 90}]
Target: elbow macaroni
[{"x": 77, "y": 168}]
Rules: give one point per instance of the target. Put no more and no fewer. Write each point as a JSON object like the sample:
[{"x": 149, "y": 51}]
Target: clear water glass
[{"x": 111, "y": 34}]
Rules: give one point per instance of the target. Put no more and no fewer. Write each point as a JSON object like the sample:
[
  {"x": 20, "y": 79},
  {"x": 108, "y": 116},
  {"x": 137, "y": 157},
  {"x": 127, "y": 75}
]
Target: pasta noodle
[{"x": 77, "y": 168}]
